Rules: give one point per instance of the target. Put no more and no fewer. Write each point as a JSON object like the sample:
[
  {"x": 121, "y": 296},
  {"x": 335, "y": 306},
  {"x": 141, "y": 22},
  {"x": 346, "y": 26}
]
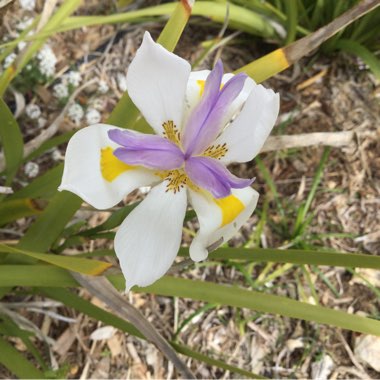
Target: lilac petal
[
  {"x": 202, "y": 109},
  {"x": 206, "y": 120},
  {"x": 213, "y": 176},
  {"x": 214, "y": 122},
  {"x": 150, "y": 151}
]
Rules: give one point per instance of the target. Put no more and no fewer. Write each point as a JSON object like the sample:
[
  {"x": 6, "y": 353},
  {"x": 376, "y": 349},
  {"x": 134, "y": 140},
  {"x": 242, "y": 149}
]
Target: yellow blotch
[
  {"x": 201, "y": 84},
  {"x": 231, "y": 207},
  {"x": 110, "y": 166}
]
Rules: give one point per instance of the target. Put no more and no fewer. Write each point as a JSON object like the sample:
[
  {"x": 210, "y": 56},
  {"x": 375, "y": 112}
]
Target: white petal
[
  {"x": 220, "y": 220},
  {"x": 248, "y": 132},
  {"x": 82, "y": 174},
  {"x": 156, "y": 82},
  {"x": 148, "y": 240},
  {"x": 194, "y": 91}
]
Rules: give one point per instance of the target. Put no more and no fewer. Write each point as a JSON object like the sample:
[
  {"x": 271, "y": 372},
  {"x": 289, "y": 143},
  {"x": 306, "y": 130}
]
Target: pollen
[
  {"x": 171, "y": 132},
  {"x": 216, "y": 151},
  {"x": 177, "y": 179}
]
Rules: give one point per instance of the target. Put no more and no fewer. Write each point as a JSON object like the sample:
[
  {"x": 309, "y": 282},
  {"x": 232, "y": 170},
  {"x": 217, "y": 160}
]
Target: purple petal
[
  {"x": 206, "y": 121},
  {"x": 213, "y": 176},
  {"x": 202, "y": 110},
  {"x": 150, "y": 151}
]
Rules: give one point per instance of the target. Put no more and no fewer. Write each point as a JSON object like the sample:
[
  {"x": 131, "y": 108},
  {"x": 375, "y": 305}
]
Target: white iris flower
[{"x": 185, "y": 161}]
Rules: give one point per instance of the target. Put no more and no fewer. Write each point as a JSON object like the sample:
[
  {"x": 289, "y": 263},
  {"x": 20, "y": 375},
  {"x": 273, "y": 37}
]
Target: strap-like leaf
[
  {"x": 75, "y": 264},
  {"x": 11, "y": 138}
]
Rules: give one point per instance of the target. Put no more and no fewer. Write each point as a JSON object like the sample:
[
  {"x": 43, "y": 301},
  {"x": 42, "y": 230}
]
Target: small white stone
[
  {"x": 92, "y": 116},
  {"x": 75, "y": 113},
  {"x": 31, "y": 169},
  {"x": 47, "y": 60},
  {"x": 9, "y": 60},
  {"x": 41, "y": 122},
  {"x": 321, "y": 369},
  {"x": 121, "y": 82},
  {"x": 103, "y": 87},
  {"x": 367, "y": 350},
  {"x": 60, "y": 91},
  {"x": 74, "y": 78},
  {"x": 56, "y": 155},
  {"x": 24, "y": 24},
  {"x": 98, "y": 103},
  {"x": 103, "y": 333},
  {"x": 21, "y": 45},
  {"x": 33, "y": 111},
  {"x": 28, "y": 5}
]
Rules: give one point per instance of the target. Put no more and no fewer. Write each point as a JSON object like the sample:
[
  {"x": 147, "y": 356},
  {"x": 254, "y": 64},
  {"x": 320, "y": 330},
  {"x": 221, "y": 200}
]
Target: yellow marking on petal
[
  {"x": 231, "y": 207},
  {"x": 110, "y": 166},
  {"x": 201, "y": 83}
]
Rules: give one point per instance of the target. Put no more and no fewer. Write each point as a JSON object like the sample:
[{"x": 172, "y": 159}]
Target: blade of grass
[
  {"x": 302, "y": 215},
  {"x": 269, "y": 181}
]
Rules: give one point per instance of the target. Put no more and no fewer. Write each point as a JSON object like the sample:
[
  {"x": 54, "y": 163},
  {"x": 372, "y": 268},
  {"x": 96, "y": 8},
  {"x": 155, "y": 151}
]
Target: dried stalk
[{"x": 101, "y": 288}]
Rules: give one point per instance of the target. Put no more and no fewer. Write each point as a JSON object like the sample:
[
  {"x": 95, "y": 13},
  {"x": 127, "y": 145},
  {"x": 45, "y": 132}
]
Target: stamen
[
  {"x": 171, "y": 132},
  {"x": 217, "y": 151},
  {"x": 177, "y": 179}
]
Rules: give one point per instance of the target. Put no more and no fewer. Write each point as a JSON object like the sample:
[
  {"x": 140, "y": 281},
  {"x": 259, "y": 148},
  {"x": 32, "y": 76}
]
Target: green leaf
[
  {"x": 11, "y": 210},
  {"x": 31, "y": 275},
  {"x": 9, "y": 328},
  {"x": 35, "y": 275},
  {"x": 267, "y": 303},
  {"x": 11, "y": 138},
  {"x": 43, "y": 186},
  {"x": 49, "y": 225},
  {"x": 72, "y": 263},
  {"x": 16, "y": 362},
  {"x": 353, "y": 47},
  {"x": 291, "y": 21},
  {"x": 239, "y": 18},
  {"x": 295, "y": 256}
]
